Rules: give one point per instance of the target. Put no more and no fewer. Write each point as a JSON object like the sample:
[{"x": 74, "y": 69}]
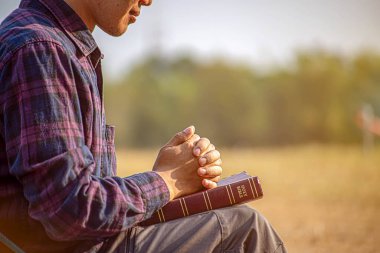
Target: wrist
[{"x": 168, "y": 181}]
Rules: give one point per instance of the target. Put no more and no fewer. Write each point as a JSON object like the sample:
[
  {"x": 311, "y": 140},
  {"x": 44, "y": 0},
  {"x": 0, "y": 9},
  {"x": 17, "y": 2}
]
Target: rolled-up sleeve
[{"x": 42, "y": 126}]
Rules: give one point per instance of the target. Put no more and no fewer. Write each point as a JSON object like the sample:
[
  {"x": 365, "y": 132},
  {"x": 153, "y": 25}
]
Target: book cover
[{"x": 236, "y": 189}]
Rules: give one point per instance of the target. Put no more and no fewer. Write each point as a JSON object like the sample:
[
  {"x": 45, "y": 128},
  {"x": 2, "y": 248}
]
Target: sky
[{"x": 257, "y": 32}]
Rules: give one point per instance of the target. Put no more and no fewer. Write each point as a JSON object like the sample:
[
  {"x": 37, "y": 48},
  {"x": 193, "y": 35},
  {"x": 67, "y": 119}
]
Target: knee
[
  {"x": 249, "y": 227},
  {"x": 263, "y": 231}
]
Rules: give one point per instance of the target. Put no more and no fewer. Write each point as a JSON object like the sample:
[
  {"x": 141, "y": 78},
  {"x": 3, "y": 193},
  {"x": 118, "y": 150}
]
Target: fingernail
[
  {"x": 187, "y": 130},
  {"x": 202, "y": 171},
  {"x": 197, "y": 151},
  {"x": 202, "y": 161}
]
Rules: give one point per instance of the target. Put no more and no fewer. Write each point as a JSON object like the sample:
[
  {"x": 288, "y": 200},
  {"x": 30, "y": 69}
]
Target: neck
[{"x": 83, "y": 12}]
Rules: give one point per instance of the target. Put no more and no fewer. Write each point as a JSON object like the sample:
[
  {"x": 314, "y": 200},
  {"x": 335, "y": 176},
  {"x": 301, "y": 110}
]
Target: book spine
[{"x": 232, "y": 194}]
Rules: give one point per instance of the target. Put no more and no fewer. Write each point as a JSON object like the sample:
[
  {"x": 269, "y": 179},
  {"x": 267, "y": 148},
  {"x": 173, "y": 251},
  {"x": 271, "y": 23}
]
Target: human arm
[{"x": 42, "y": 125}]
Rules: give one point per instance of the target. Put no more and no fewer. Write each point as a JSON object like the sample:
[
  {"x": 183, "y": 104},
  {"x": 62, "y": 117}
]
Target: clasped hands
[{"x": 188, "y": 163}]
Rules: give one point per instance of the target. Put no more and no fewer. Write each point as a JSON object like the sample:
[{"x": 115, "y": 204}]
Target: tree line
[{"x": 313, "y": 99}]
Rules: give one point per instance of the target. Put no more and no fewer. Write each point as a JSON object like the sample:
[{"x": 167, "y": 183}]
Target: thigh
[
  {"x": 245, "y": 230},
  {"x": 195, "y": 233},
  {"x": 232, "y": 229}
]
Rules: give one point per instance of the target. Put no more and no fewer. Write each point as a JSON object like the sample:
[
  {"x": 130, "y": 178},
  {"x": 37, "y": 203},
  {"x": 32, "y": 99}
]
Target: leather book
[{"x": 236, "y": 189}]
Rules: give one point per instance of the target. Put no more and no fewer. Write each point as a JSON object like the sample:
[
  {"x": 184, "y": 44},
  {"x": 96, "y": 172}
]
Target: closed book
[{"x": 237, "y": 189}]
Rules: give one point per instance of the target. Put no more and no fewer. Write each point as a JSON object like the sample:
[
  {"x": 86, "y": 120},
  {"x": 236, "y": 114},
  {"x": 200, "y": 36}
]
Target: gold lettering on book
[
  {"x": 232, "y": 193},
  {"x": 209, "y": 202},
  {"x": 229, "y": 197},
  {"x": 242, "y": 191}
]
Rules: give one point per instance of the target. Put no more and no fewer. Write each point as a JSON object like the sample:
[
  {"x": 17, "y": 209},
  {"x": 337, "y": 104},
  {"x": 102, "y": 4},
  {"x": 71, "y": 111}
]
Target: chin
[{"x": 115, "y": 31}]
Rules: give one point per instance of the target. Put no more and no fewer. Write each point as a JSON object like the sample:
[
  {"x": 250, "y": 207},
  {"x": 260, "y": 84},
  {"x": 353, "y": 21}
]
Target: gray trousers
[{"x": 234, "y": 229}]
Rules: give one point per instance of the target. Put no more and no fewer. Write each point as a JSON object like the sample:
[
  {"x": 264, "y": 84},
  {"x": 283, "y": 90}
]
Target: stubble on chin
[{"x": 115, "y": 30}]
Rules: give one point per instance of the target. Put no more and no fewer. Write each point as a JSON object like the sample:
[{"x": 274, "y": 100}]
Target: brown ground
[{"x": 319, "y": 198}]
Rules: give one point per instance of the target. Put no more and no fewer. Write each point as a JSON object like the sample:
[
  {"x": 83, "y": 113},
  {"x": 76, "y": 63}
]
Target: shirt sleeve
[{"x": 43, "y": 130}]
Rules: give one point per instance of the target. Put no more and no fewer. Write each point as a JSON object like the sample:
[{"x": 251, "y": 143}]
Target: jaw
[
  {"x": 115, "y": 29},
  {"x": 112, "y": 19},
  {"x": 83, "y": 11}
]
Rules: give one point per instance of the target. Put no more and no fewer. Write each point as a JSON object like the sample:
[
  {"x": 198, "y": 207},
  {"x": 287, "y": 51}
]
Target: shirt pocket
[{"x": 110, "y": 149}]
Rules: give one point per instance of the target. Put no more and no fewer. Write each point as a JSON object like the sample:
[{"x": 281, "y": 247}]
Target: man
[{"x": 58, "y": 190}]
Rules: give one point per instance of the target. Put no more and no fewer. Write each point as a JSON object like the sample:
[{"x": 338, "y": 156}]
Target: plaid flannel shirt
[{"x": 57, "y": 157}]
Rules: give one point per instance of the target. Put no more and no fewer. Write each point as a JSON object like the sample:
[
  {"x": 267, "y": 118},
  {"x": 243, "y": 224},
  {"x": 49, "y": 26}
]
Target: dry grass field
[{"x": 319, "y": 198}]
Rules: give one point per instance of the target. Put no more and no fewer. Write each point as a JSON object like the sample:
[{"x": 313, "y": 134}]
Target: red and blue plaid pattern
[{"x": 57, "y": 158}]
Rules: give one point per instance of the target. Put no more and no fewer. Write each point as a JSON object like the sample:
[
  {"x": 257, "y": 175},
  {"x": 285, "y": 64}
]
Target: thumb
[{"x": 181, "y": 137}]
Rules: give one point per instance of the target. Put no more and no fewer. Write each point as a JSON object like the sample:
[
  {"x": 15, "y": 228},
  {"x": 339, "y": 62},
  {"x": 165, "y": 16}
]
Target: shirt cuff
[{"x": 155, "y": 192}]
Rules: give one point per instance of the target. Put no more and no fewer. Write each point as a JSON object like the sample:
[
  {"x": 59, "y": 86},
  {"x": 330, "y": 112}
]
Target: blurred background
[{"x": 287, "y": 90}]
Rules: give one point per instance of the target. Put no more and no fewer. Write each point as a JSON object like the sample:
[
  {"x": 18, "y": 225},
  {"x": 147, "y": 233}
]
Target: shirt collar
[{"x": 71, "y": 23}]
